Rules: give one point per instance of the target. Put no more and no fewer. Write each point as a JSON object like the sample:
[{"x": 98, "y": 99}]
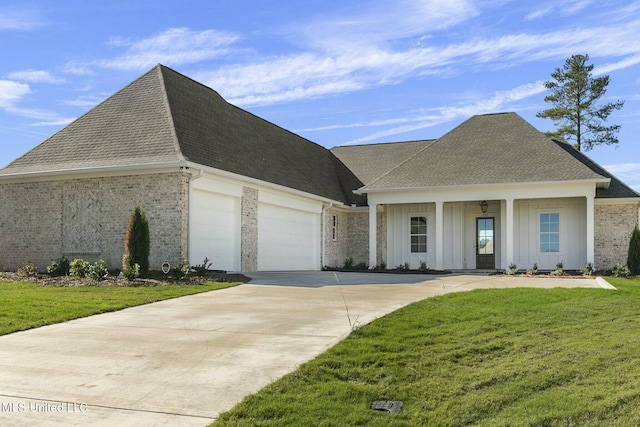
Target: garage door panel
[
  {"x": 214, "y": 230},
  {"x": 287, "y": 239}
]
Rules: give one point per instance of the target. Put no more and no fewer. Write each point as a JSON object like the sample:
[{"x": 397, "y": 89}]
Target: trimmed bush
[
  {"x": 59, "y": 267},
  {"x": 633, "y": 256},
  {"x": 137, "y": 244},
  {"x": 28, "y": 269},
  {"x": 98, "y": 271},
  {"x": 79, "y": 268}
]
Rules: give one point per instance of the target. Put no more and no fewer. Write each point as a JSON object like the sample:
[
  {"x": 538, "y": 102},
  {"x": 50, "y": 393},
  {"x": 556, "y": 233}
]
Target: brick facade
[
  {"x": 88, "y": 218},
  {"x": 249, "y": 229},
  {"x": 613, "y": 227}
]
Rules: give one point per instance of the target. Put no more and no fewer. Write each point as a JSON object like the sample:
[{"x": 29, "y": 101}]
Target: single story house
[{"x": 219, "y": 182}]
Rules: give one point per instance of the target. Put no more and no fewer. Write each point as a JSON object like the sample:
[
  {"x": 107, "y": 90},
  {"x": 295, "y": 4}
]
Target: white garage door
[
  {"x": 288, "y": 239},
  {"x": 214, "y": 230}
]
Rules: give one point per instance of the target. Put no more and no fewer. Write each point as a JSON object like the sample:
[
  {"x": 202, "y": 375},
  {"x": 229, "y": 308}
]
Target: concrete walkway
[{"x": 181, "y": 362}]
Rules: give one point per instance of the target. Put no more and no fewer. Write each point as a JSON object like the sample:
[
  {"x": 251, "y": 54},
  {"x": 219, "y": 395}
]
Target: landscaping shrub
[
  {"x": 633, "y": 256},
  {"x": 587, "y": 270},
  {"x": 361, "y": 266},
  {"x": 202, "y": 269},
  {"x": 513, "y": 269},
  {"x": 130, "y": 271},
  {"x": 180, "y": 272},
  {"x": 533, "y": 270},
  {"x": 137, "y": 243},
  {"x": 348, "y": 263},
  {"x": 28, "y": 269},
  {"x": 59, "y": 267},
  {"x": 423, "y": 267},
  {"x": 620, "y": 271},
  {"x": 98, "y": 271},
  {"x": 79, "y": 268},
  {"x": 559, "y": 271}
]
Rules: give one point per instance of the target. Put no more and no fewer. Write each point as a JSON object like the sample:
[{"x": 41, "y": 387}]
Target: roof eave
[
  {"x": 92, "y": 171},
  {"x": 255, "y": 181},
  {"x": 604, "y": 182}
]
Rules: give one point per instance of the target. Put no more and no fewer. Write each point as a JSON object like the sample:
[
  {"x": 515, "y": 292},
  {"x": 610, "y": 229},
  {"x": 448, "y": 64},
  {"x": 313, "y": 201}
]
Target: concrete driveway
[{"x": 183, "y": 361}]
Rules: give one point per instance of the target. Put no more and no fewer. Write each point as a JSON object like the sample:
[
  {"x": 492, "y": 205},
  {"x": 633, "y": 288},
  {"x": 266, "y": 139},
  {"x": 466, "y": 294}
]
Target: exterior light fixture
[{"x": 484, "y": 205}]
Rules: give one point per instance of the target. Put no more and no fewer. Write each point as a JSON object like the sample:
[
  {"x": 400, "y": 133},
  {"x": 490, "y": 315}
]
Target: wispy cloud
[
  {"x": 21, "y": 19},
  {"x": 566, "y": 8},
  {"x": 171, "y": 47},
  {"x": 11, "y": 92},
  {"x": 434, "y": 117},
  {"x": 35, "y": 76}
]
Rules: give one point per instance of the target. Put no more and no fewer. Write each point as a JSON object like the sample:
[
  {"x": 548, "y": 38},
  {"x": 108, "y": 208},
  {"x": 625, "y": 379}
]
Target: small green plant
[
  {"x": 202, "y": 269},
  {"x": 533, "y": 270},
  {"x": 361, "y": 266},
  {"x": 559, "y": 271},
  {"x": 348, "y": 263},
  {"x": 59, "y": 267},
  {"x": 620, "y": 271},
  {"x": 423, "y": 267},
  {"x": 383, "y": 265},
  {"x": 179, "y": 272},
  {"x": 403, "y": 267},
  {"x": 79, "y": 268},
  {"x": 587, "y": 270},
  {"x": 130, "y": 271},
  {"x": 98, "y": 271},
  {"x": 28, "y": 269},
  {"x": 513, "y": 269},
  {"x": 633, "y": 256}
]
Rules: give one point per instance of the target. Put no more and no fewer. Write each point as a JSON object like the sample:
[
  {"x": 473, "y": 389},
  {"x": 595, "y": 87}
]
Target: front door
[{"x": 485, "y": 255}]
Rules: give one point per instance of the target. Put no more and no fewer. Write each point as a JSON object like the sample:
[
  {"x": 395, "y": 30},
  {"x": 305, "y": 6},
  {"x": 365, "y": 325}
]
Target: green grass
[
  {"x": 517, "y": 357},
  {"x": 25, "y": 305}
]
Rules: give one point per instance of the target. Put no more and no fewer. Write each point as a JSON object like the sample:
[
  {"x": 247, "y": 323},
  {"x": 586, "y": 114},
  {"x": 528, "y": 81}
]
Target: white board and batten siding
[
  {"x": 214, "y": 223},
  {"x": 288, "y": 233}
]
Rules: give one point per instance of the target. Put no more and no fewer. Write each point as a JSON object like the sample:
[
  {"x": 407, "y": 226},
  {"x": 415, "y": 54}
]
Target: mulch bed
[{"x": 154, "y": 279}]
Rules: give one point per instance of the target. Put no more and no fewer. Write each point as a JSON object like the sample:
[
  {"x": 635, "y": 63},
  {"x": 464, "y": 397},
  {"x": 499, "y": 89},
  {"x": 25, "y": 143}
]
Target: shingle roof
[
  {"x": 369, "y": 162},
  {"x": 165, "y": 118},
  {"x": 488, "y": 149}
]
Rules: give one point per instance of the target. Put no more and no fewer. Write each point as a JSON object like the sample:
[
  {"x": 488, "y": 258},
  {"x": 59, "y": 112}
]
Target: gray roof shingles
[
  {"x": 165, "y": 118},
  {"x": 487, "y": 149}
]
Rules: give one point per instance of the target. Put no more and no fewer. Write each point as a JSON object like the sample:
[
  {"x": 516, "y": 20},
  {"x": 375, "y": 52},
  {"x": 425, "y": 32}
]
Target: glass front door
[{"x": 485, "y": 239}]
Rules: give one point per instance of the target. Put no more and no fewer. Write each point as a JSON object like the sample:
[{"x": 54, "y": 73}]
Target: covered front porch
[{"x": 484, "y": 229}]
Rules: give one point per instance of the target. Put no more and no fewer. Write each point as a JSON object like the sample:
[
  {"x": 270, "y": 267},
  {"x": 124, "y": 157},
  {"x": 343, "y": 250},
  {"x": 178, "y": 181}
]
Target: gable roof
[
  {"x": 167, "y": 119},
  {"x": 368, "y": 162},
  {"x": 489, "y": 149}
]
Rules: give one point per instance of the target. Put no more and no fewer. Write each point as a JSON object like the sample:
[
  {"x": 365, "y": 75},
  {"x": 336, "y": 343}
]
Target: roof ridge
[{"x": 170, "y": 118}]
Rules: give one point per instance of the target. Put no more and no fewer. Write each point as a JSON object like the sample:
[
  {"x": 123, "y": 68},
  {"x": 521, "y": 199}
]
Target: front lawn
[
  {"x": 516, "y": 357},
  {"x": 25, "y": 305}
]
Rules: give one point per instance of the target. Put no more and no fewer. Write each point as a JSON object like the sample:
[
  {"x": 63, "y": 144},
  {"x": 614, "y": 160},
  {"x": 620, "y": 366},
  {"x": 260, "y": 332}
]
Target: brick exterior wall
[
  {"x": 335, "y": 251},
  {"x": 249, "y": 229},
  {"x": 613, "y": 227},
  {"x": 88, "y": 218}
]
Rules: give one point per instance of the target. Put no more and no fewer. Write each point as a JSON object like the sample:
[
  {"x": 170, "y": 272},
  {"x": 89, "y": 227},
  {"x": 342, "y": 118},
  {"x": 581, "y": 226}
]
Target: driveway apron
[{"x": 184, "y": 361}]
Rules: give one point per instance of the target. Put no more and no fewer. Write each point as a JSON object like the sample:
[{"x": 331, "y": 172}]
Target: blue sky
[{"x": 348, "y": 72}]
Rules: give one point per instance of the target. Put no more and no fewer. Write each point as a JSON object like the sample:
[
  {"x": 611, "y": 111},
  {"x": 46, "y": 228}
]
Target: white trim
[
  {"x": 620, "y": 201},
  {"x": 472, "y": 187}
]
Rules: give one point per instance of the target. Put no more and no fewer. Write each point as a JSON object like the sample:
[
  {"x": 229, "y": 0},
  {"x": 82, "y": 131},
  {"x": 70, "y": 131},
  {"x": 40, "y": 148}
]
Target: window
[
  {"x": 334, "y": 227},
  {"x": 550, "y": 232},
  {"x": 418, "y": 234}
]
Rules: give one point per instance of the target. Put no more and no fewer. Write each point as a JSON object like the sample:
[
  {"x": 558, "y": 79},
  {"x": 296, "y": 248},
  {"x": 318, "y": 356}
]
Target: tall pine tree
[
  {"x": 574, "y": 93},
  {"x": 633, "y": 256}
]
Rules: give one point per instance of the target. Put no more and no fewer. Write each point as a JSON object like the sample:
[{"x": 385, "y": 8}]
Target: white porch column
[
  {"x": 509, "y": 238},
  {"x": 439, "y": 236},
  {"x": 591, "y": 231},
  {"x": 373, "y": 235}
]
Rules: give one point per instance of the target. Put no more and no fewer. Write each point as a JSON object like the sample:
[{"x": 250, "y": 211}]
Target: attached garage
[
  {"x": 214, "y": 227},
  {"x": 288, "y": 234}
]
